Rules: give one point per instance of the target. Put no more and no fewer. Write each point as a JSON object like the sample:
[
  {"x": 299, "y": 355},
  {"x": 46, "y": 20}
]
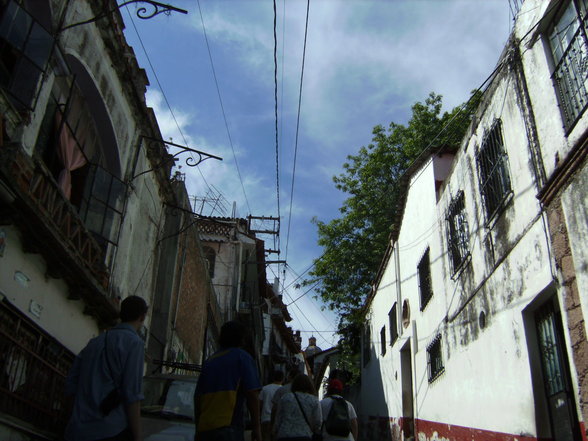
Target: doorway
[
  {"x": 407, "y": 392},
  {"x": 559, "y": 394}
]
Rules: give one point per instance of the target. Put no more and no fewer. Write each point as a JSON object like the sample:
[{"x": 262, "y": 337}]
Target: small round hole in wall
[{"x": 482, "y": 319}]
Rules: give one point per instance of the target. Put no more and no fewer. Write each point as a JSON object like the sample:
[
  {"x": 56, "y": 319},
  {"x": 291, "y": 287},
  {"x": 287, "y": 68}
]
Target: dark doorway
[
  {"x": 407, "y": 393},
  {"x": 556, "y": 373}
]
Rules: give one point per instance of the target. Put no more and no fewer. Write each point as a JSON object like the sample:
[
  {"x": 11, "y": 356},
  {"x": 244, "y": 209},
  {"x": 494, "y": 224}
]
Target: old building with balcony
[{"x": 85, "y": 217}]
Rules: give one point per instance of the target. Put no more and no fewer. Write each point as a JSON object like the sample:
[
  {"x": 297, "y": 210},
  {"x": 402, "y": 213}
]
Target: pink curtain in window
[{"x": 70, "y": 154}]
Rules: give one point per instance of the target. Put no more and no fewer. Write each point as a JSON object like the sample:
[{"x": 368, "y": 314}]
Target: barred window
[
  {"x": 393, "y": 319},
  {"x": 457, "y": 232},
  {"x": 34, "y": 367},
  {"x": 435, "y": 359},
  {"x": 492, "y": 166},
  {"x": 367, "y": 344},
  {"x": 425, "y": 285},
  {"x": 569, "y": 47}
]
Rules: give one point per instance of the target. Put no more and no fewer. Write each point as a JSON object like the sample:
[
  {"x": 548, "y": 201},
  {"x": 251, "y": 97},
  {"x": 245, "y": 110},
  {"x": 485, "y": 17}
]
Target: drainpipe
[
  {"x": 240, "y": 258},
  {"x": 398, "y": 289},
  {"x": 180, "y": 285}
]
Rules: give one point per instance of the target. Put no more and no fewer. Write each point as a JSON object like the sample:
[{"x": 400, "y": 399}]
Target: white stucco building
[{"x": 475, "y": 326}]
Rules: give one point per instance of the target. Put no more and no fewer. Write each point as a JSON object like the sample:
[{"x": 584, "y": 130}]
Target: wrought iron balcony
[
  {"x": 53, "y": 228},
  {"x": 571, "y": 77}
]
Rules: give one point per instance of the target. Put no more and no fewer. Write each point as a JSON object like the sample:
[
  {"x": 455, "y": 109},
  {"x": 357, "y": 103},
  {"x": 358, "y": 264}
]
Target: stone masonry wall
[{"x": 575, "y": 318}]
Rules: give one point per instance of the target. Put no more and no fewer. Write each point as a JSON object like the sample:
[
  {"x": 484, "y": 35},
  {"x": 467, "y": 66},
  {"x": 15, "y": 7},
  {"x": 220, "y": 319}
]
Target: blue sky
[{"x": 367, "y": 62}]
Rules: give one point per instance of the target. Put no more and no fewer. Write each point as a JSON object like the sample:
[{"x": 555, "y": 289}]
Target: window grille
[
  {"x": 435, "y": 359},
  {"x": 569, "y": 47},
  {"x": 383, "y": 340},
  {"x": 393, "y": 318},
  {"x": 34, "y": 367},
  {"x": 457, "y": 232},
  {"x": 367, "y": 344},
  {"x": 425, "y": 285},
  {"x": 25, "y": 48},
  {"x": 492, "y": 166}
]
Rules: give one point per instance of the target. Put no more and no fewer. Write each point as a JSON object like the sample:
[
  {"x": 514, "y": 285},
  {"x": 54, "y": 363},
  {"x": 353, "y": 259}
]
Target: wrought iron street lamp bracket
[
  {"x": 143, "y": 12},
  {"x": 190, "y": 162}
]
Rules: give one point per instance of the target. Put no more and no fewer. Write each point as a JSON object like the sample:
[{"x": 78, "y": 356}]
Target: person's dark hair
[
  {"x": 302, "y": 383},
  {"x": 292, "y": 373},
  {"x": 277, "y": 376},
  {"x": 132, "y": 308},
  {"x": 232, "y": 334}
]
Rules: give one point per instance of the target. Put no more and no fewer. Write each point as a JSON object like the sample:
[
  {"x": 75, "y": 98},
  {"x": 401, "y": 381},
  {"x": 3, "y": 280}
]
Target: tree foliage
[{"x": 354, "y": 243}]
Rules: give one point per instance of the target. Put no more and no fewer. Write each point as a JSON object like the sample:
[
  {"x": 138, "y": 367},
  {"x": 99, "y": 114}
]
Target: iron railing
[
  {"x": 435, "y": 359},
  {"x": 457, "y": 232},
  {"x": 33, "y": 369},
  {"x": 425, "y": 285},
  {"x": 569, "y": 47},
  {"x": 492, "y": 166},
  {"x": 393, "y": 319}
]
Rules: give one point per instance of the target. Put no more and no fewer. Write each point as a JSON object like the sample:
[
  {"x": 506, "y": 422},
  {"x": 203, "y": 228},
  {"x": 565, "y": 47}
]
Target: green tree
[{"x": 354, "y": 243}]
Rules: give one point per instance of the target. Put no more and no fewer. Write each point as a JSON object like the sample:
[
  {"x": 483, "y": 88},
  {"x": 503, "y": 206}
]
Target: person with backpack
[{"x": 339, "y": 417}]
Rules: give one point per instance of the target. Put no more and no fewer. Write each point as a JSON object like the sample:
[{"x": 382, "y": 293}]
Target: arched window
[
  {"x": 210, "y": 257},
  {"x": 77, "y": 143}
]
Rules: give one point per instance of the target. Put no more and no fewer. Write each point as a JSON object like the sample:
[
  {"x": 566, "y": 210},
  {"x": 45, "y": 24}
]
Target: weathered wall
[
  {"x": 480, "y": 312},
  {"x": 59, "y": 315},
  {"x": 194, "y": 293}
]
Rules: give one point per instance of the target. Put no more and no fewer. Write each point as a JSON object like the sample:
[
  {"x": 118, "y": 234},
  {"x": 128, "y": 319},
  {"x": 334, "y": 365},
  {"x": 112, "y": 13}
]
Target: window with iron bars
[
  {"x": 367, "y": 344},
  {"x": 34, "y": 367},
  {"x": 568, "y": 43},
  {"x": 383, "y": 340},
  {"x": 425, "y": 285},
  {"x": 493, "y": 169},
  {"x": 435, "y": 359},
  {"x": 457, "y": 232},
  {"x": 25, "y": 49},
  {"x": 393, "y": 319}
]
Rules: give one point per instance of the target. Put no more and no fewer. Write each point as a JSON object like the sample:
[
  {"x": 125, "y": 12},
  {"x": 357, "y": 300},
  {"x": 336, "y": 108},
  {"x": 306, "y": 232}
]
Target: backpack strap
[{"x": 302, "y": 410}]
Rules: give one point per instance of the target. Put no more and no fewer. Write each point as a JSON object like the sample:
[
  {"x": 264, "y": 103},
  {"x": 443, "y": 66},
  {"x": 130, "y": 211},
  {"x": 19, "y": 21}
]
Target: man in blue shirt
[
  {"x": 228, "y": 379},
  {"x": 113, "y": 360}
]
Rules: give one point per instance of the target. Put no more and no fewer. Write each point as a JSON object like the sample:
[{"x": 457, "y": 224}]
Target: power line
[
  {"x": 297, "y": 128},
  {"x": 222, "y": 106}
]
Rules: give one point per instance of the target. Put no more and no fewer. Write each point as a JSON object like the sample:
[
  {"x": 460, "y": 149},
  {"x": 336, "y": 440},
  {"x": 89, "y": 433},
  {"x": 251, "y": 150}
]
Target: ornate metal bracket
[
  {"x": 190, "y": 162},
  {"x": 143, "y": 13}
]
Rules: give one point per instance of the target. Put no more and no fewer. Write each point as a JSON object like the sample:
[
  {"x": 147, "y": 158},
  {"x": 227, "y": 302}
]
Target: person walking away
[
  {"x": 228, "y": 379},
  {"x": 266, "y": 397},
  {"x": 339, "y": 417},
  {"x": 292, "y": 373},
  {"x": 106, "y": 381},
  {"x": 298, "y": 417}
]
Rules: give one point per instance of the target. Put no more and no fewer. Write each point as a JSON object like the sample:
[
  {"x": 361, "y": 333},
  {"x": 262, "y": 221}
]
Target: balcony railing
[
  {"x": 571, "y": 76},
  {"x": 33, "y": 367},
  {"x": 57, "y": 231}
]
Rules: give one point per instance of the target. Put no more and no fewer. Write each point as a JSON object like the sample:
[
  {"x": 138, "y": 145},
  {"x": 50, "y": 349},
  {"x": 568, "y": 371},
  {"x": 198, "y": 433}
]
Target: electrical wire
[
  {"x": 222, "y": 106},
  {"x": 297, "y": 128}
]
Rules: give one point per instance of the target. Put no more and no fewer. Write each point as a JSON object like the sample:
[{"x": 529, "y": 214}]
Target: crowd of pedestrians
[{"x": 106, "y": 386}]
